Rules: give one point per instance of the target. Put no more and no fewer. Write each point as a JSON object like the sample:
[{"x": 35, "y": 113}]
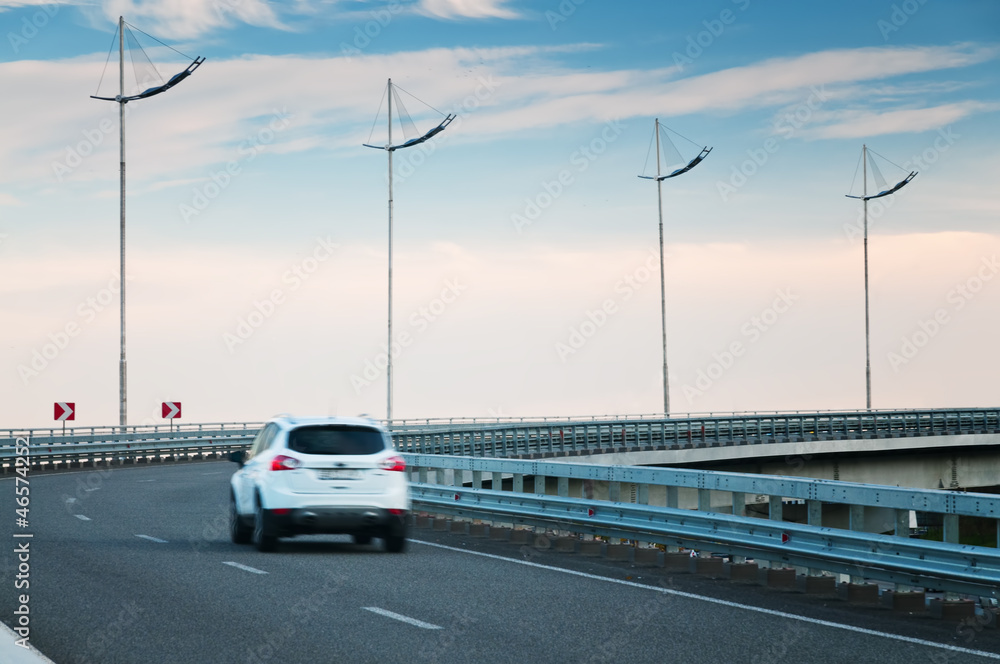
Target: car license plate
[{"x": 339, "y": 474}]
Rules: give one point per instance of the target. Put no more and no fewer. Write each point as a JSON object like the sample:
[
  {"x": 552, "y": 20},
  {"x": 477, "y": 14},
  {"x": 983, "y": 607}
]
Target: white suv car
[{"x": 319, "y": 475}]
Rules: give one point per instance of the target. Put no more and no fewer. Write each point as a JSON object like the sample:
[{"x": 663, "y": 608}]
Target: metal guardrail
[
  {"x": 109, "y": 447},
  {"x": 538, "y": 440},
  {"x": 574, "y": 438},
  {"x": 950, "y": 567},
  {"x": 74, "y": 433},
  {"x": 612, "y": 417},
  {"x": 473, "y": 469},
  {"x": 894, "y": 558}
]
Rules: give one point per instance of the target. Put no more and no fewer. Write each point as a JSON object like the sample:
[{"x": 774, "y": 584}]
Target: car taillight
[
  {"x": 282, "y": 462},
  {"x": 393, "y": 463}
]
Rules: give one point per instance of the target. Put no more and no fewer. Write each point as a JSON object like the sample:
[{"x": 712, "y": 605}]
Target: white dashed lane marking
[
  {"x": 152, "y": 539},
  {"x": 397, "y": 616},
  {"x": 82, "y": 517},
  {"x": 245, "y": 568}
]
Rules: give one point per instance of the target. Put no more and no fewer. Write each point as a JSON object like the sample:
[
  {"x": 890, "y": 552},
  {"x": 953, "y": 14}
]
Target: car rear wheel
[
  {"x": 262, "y": 539},
  {"x": 395, "y": 542},
  {"x": 239, "y": 530}
]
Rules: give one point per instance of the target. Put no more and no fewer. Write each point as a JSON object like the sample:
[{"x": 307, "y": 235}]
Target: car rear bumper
[{"x": 375, "y": 521}]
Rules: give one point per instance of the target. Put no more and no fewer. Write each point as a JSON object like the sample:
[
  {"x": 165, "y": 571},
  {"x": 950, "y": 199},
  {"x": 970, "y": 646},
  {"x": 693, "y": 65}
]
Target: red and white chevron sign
[
  {"x": 65, "y": 410},
  {"x": 171, "y": 410}
]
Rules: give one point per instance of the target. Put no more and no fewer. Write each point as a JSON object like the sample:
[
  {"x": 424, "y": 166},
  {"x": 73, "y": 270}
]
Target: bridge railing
[
  {"x": 521, "y": 440},
  {"x": 832, "y": 532},
  {"x": 570, "y": 438}
]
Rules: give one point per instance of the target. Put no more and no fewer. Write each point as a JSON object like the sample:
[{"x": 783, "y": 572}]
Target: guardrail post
[
  {"x": 642, "y": 496},
  {"x": 497, "y": 484},
  {"x": 615, "y": 491},
  {"x": 562, "y": 487},
  {"x": 814, "y": 517},
  {"x": 775, "y": 512},
  {"x": 477, "y": 479},
  {"x": 704, "y": 500},
  {"x": 739, "y": 509},
  {"x": 540, "y": 484},
  {"x": 672, "y": 501},
  {"x": 902, "y": 529},
  {"x": 518, "y": 483},
  {"x": 950, "y": 523},
  {"x": 856, "y": 522},
  {"x": 775, "y": 508}
]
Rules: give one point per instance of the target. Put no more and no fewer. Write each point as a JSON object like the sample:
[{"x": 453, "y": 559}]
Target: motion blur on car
[{"x": 328, "y": 475}]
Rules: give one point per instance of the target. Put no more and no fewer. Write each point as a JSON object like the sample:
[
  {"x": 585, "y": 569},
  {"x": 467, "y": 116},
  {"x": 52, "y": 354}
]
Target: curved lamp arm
[{"x": 174, "y": 80}]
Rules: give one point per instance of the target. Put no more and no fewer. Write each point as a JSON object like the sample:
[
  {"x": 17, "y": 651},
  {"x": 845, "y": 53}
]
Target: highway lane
[{"x": 135, "y": 565}]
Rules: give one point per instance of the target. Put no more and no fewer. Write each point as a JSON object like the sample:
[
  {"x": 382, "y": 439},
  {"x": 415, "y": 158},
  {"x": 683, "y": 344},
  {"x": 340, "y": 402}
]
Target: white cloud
[
  {"x": 457, "y": 9},
  {"x": 863, "y": 123},
  {"x": 183, "y": 19},
  {"x": 181, "y": 140},
  {"x": 15, "y": 4},
  {"x": 7, "y": 199}
]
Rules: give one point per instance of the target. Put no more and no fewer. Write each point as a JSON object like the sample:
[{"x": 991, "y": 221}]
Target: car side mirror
[{"x": 239, "y": 457}]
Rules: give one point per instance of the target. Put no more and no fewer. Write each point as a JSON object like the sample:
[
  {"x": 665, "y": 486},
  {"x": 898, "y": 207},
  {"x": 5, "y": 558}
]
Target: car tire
[
  {"x": 262, "y": 538},
  {"x": 363, "y": 540},
  {"x": 238, "y": 530},
  {"x": 395, "y": 542}
]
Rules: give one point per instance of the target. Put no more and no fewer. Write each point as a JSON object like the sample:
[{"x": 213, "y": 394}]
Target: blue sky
[{"x": 526, "y": 277}]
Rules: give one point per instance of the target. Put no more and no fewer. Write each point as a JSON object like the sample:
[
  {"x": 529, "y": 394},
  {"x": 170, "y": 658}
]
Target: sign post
[
  {"x": 170, "y": 411},
  {"x": 65, "y": 410}
]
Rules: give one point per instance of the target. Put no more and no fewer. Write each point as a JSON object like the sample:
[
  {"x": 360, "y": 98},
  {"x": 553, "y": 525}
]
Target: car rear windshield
[{"x": 336, "y": 439}]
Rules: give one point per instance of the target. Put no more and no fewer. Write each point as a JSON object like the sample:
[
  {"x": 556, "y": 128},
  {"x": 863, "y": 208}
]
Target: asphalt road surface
[{"x": 136, "y": 565}]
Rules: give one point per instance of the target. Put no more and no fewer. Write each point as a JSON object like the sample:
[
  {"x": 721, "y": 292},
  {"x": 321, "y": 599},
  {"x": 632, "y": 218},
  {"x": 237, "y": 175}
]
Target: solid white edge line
[
  {"x": 10, "y": 649},
  {"x": 722, "y": 602},
  {"x": 82, "y": 517},
  {"x": 152, "y": 539},
  {"x": 245, "y": 568},
  {"x": 397, "y": 616}
]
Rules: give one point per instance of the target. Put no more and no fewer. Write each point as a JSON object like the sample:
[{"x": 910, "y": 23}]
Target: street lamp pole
[
  {"x": 390, "y": 148},
  {"x": 663, "y": 288},
  {"x": 122, "y": 371},
  {"x": 121, "y": 99},
  {"x": 659, "y": 177}
]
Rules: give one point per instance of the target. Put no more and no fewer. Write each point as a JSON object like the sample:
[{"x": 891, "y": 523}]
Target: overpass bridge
[{"x": 933, "y": 448}]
